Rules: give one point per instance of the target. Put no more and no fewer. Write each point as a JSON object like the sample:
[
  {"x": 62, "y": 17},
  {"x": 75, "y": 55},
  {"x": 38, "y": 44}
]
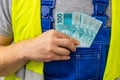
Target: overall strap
[
  {"x": 47, "y": 14},
  {"x": 100, "y": 8}
]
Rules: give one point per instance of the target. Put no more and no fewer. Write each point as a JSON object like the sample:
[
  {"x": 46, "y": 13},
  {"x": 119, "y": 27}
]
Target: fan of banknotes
[{"x": 79, "y": 26}]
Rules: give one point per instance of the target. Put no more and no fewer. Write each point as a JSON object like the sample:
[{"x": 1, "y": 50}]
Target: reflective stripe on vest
[
  {"x": 26, "y": 24},
  {"x": 112, "y": 71}
]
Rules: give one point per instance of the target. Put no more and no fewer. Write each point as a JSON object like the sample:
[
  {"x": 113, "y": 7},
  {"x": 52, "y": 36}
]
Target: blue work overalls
[{"x": 85, "y": 63}]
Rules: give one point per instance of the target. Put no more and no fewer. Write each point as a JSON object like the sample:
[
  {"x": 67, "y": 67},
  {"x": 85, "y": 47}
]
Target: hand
[{"x": 51, "y": 45}]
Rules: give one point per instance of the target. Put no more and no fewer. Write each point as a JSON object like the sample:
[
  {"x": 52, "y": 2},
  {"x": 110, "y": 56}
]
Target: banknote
[{"x": 79, "y": 26}]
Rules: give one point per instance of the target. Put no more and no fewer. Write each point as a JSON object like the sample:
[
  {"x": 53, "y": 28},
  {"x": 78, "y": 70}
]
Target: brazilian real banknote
[{"x": 79, "y": 26}]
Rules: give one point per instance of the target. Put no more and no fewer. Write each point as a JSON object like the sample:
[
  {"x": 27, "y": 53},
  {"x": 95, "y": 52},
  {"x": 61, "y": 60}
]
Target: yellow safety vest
[
  {"x": 26, "y": 23},
  {"x": 112, "y": 70}
]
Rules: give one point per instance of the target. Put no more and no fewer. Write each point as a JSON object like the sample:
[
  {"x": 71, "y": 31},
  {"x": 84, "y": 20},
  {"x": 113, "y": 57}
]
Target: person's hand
[{"x": 51, "y": 45}]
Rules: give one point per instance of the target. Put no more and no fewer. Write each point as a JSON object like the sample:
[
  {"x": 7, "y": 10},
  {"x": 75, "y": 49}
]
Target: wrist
[{"x": 22, "y": 50}]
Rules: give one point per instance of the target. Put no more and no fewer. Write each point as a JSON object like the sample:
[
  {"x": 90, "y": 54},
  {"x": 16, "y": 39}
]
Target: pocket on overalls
[
  {"x": 87, "y": 63},
  {"x": 83, "y": 65}
]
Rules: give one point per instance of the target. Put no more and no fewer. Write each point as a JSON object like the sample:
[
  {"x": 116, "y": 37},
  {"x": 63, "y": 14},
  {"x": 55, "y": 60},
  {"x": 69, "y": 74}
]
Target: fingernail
[
  {"x": 74, "y": 50},
  {"x": 78, "y": 42},
  {"x": 68, "y": 58}
]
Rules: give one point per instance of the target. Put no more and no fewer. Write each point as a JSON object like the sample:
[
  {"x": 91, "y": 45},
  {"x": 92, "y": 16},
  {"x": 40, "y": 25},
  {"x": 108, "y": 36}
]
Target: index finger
[{"x": 62, "y": 35}]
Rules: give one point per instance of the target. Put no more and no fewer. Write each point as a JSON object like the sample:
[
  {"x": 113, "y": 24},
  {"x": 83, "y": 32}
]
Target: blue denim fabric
[{"x": 85, "y": 63}]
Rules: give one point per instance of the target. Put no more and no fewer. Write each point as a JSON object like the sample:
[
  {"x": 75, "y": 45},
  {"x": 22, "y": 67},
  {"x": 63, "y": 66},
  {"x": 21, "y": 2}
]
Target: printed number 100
[{"x": 59, "y": 18}]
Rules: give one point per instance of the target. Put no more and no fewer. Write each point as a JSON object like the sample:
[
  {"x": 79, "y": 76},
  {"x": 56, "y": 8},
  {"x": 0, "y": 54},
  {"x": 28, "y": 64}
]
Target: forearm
[{"x": 12, "y": 57}]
